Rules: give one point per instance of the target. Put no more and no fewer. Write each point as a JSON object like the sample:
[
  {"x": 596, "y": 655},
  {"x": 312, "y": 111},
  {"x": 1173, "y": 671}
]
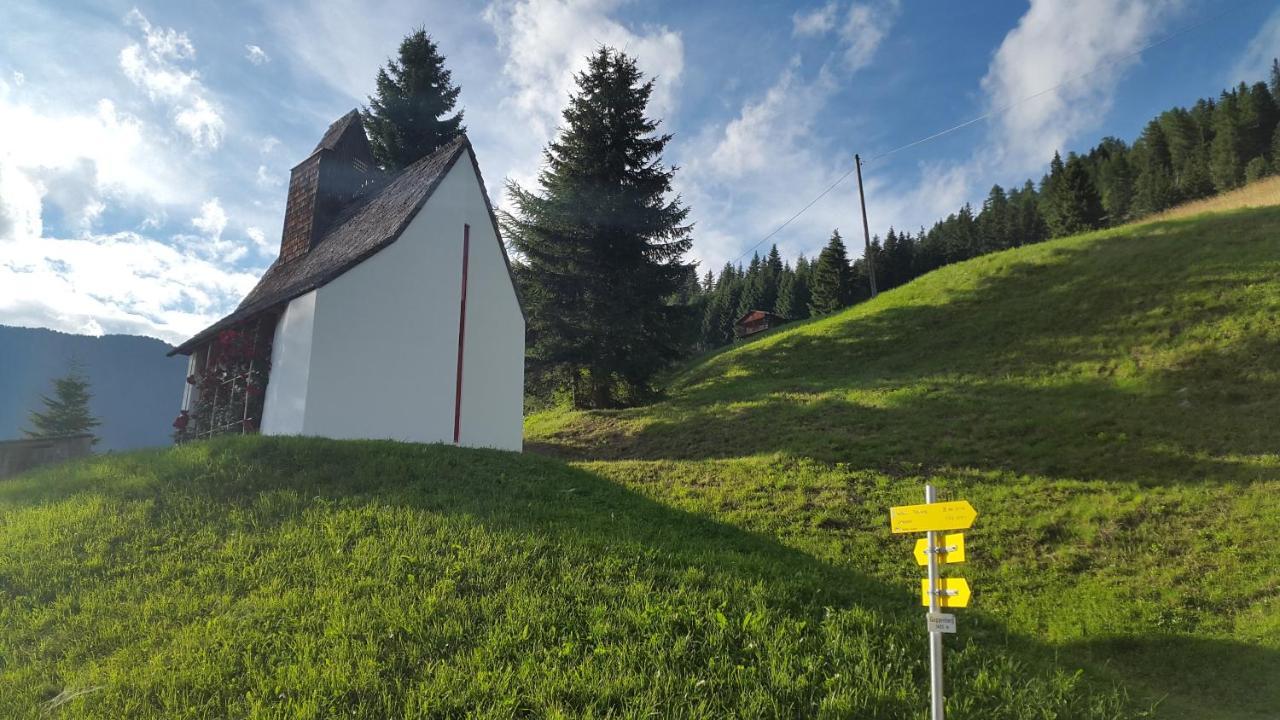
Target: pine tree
[
  {"x": 1153, "y": 190},
  {"x": 1256, "y": 169},
  {"x": 1275, "y": 77},
  {"x": 994, "y": 222},
  {"x": 1226, "y": 162},
  {"x": 901, "y": 258},
  {"x": 1275, "y": 150},
  {"x": 409, "y": 118},
  {"x": 793, "y": 291},
  {"x": 1256, "y": 116},
  {"x": 832, "y": 285},
  {"x": 67, "y": 412},
  {"x": 1074, "y": 204},
  {"x": 603, "y": 243},
  {"x": 752, "y": 288},
  {"x": 771, "y": 275},
  {"x": 1029, "y": 224},
  {"x": 1114, "y": 177}
]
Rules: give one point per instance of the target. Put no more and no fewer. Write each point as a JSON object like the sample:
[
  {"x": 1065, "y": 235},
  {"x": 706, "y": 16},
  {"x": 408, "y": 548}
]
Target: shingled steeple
[{"x": 336, "y": 173}]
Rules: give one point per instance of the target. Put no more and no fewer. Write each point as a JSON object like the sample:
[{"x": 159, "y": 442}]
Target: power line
[
  {"x": 800, "y": 212},
  {"x": 998, "y": 111}
]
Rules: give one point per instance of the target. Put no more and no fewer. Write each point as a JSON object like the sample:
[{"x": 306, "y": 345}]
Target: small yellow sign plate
[
  {"x": 951, "y": 550},
  {"x": 955, "y": 515},
  {"x": 955, "y": 592}
]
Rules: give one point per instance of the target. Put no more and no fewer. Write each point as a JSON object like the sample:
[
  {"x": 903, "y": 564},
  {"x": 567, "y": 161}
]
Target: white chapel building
[{"x": 390, "y": 313}]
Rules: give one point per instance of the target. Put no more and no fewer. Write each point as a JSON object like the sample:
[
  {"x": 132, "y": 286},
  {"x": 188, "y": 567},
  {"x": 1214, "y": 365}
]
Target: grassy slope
[
  {"x": 293, "y": 578},
  {"x": 1110, "y": 403},
  {"x": 725, "y": 552}
]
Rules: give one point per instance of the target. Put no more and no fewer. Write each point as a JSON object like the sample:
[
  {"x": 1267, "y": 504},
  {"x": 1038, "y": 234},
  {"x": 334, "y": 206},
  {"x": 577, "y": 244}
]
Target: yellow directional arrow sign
[
  {"x": 954, "y": 592},
  {"x": 956, "y": 515},
  {"x": 951, "y": 549}
]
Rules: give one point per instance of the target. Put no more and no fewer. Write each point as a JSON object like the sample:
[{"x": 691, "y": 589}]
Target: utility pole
[{"x": 866, "y": 233}]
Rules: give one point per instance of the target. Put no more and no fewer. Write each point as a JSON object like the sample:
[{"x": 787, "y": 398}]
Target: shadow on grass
[
  {"x": 1190, "y": 677},
  {"x": 1144, "y": 356}
]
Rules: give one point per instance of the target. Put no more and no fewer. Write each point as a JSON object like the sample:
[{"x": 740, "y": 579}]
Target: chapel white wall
[
  {"x": 285, "y": 405},
  {"x": 493, "y": 361},
  {"x": 384, "y": 345}
]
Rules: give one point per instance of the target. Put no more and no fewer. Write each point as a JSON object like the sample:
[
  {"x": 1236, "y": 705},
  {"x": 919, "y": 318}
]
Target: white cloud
[
  {"x": 1037, "y": 55},
  {"x": 745, "y": 178},
  {"x": 18, "y": 78},
  {"x": 212, "y": 219},
  {"x": 107, "y": 153},
  {"x": 153, "y": 66},
  {"x": 259, "y": 239},
  {"x": 864, "y": 28},
  {"x": 265, "y": 178},
  {"x": 1254, "y": 63},
  {"x": 117, "y": 283},
  {"x": 1033, "y": 57},
  {"x": 201, "y": 122},
  {"x": 546, "y": 44},
  {"x": 781, "y": 120},
  {"x": 77, "y": 163},
  {"x": 814, "y": 22},
  {"x": 212, "y": 222},
  {"x": 256, "y": 55}
]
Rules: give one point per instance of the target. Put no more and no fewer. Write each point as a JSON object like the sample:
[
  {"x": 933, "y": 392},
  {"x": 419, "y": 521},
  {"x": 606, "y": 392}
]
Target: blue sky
[{"x": 145, "y": 146}]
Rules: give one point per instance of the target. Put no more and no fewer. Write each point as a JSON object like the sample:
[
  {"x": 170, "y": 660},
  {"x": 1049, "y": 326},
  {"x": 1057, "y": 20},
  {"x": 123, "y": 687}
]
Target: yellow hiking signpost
[
  {"x": 951, "y": 551},
  {"x": 936, "y": 592},
  {"x": 956, "y": 515},
  {"x": 954, "y": 592}
]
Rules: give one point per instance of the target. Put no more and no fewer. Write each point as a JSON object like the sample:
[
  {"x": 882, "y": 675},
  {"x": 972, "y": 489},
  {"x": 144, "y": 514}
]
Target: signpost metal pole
[{"x": 935, "y": 635}]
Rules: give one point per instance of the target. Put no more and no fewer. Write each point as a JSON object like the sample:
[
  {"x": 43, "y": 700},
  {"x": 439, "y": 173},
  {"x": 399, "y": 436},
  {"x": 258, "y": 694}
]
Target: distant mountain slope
[{"x": 136, "y": 389}]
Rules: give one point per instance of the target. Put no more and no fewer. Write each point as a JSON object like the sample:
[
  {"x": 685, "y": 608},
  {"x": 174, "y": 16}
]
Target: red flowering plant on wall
[{"x": 228, "y": 386}]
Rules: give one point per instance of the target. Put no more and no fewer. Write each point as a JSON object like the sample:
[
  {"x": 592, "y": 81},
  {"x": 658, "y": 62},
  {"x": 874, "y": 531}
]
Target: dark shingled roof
[
  {"x": 339, "y": 126},
  {"x": 368, "y": 225}
]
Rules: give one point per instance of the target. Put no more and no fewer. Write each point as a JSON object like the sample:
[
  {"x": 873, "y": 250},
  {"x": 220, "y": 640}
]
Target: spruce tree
[
  {"x": 67, "y": 412},
  {"x": 1275, "y": 77},
  {"x": 994, "y": 222},
  {"x": 1275, "y": 150},
  {"x": 832, "y": 285},
  {"x": 1226, "y": 164},
  {"x": 1153, "y": 190},
  {"x": 603, "y": 243},
  {"x": 753, "y": 291},
  {"x": 1075, "y": 205},
  {"x": 771, "y": 273},
  {"x": 793, "y": 291},
  {"x": 1256, "y": 117},
  {"x": 409, "y": 118},
  {"x": 1256, "y": 169}
]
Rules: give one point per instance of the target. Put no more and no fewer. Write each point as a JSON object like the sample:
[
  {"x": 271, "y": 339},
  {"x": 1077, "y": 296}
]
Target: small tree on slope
[
  {"x": 67, "y": 412},
  {"x": 408, "y": 118},
  {"x": 602, "y": 243},
  {"x": 832, "y": 286}
]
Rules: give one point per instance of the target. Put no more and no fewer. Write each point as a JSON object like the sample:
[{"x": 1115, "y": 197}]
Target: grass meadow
[{"x": 1108, "y": 403}]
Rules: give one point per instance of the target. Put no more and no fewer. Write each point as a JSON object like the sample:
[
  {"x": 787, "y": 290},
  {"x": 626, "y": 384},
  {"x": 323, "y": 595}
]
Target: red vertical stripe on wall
[{"x": 462, "y": 334}]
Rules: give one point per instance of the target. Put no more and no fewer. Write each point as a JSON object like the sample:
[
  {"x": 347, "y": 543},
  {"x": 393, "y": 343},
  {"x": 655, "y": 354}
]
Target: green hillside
[{"x": 1107, "y": 402}]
